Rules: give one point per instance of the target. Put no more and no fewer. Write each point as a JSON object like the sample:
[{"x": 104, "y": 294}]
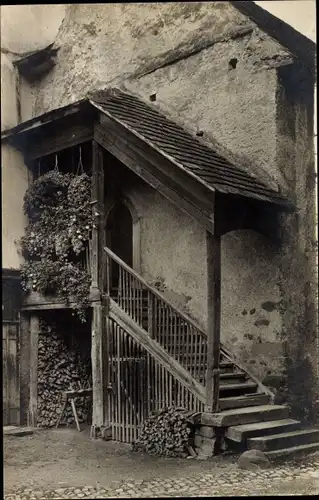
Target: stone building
[{"x": 240, "y": 83}]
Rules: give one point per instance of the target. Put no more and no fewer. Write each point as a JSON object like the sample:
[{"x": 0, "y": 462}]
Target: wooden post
[
  {"x": 34, "y": 342},
  {"x": 98, "y": 236},
  {"x": 24, "y": 368},
  {"x": 100, "y": 357},
  {"x": 213, "y": 321}
]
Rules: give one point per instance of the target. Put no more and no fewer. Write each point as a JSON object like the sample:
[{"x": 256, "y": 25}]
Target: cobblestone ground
[
  {"x": 284, "y": 480},
  {"x": 150, "y": 478}
]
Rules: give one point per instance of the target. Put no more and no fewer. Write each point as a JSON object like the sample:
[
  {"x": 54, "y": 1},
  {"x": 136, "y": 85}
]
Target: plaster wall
[
  {"x": 14, "y": 174},
  {"x": 26, "y": 28},
  {"x": 9, "y": 108},
  {"x": 14, "y": 182},
  {"x": 173, "y": 258}
]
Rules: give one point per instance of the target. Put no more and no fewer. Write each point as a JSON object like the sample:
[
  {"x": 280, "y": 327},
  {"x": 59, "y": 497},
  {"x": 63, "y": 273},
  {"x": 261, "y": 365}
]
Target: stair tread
[
  {"x": 265, "y": 424},
  {"x": 243, "y": 385},
  {"x": 292, "y": 450},
  {"x": 252, "y": 409},
  {"x": 233, "y": 375},
  {"x": 244, "y": 432},
  {"x": 301, "y": 432},
  {"x": 247, "y": 400}
]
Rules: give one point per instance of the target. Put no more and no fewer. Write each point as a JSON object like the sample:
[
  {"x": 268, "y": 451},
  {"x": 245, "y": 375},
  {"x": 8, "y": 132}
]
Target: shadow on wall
[{"x": 251, "y": 317}]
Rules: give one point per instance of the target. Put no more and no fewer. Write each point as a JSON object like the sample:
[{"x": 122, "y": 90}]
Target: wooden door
[
  {"x": 10, "y": 373},
  {"x": 11, "y": 303}
]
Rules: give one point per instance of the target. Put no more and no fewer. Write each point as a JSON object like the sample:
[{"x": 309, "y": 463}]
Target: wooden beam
[
  {"x": 34, "y": 342},
  {"x": 213, "y": 320},
  {"x": 158, "y": 353},
  {"x": 183, "y": 180},
  {"x": 63, "y": 138},
  {"x": 24, "y": 368},
  {"x": 99, "y": 357},
  {"x": 97, "y": 208},
  {"x": 35, "y": 301},
  {"x": 144, "y": 169}
]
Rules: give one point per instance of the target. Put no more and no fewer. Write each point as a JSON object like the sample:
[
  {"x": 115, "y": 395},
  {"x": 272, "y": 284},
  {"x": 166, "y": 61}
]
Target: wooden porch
[{"x": 147, "y": 353}]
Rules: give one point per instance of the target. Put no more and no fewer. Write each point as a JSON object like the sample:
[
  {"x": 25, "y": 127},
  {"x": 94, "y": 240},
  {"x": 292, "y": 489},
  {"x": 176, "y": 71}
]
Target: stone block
[
  {"x": 206, "y": 431},
  {"x": 253, "y": 459},
  {"x": 198, "y": 441}
]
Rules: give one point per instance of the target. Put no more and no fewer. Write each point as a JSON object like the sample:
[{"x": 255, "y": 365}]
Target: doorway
[{"x": 119, "y": 237}]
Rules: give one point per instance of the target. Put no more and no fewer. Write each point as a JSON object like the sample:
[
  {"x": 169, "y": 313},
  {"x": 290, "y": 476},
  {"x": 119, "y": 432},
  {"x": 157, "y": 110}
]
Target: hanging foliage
[{"x": 60, "y": 223}]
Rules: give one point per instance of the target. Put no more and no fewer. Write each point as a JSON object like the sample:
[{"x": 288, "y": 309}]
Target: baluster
[
  {"x": 126, "y": 291},
  {"x": 119, "y": 286},
  {"x": 193, "y": 363},
  {"x": 135, "y": 300},
  {"x": 138, "y": 302},
  {"x": 159, "y": 322},
  {"x": 175, "y": 334},
  {"x": 141, "y": 305},
  {"x": 108, "y": 287},
  {"x": 169, "y": 330},
  {"x": 196, "y": 361},
  {"x": 150, "y": 314},
  {"x": 163, "y": 323},
  {"x": 201, "y": 361},
  {"x": 129, "y": 291}
]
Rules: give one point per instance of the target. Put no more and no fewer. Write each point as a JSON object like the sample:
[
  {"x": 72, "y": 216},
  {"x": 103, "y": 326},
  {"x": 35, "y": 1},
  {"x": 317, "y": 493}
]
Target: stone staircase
[{"x": 267, "y": 428}]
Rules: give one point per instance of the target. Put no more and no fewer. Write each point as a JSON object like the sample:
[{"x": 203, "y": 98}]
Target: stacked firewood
[
  {"x": 60, "y": 369},
  {"x": 168, "y": 432}
]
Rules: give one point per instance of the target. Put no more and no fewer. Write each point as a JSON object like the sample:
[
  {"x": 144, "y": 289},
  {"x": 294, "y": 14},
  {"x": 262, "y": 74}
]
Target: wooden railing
[
  {"x": 139, "y": 384},
  {"x": 171, "y": 328},
  {"x": 176, "y": 332}
]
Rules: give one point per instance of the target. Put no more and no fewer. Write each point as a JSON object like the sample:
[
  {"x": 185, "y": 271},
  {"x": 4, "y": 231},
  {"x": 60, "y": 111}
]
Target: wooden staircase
[{"x": 246, "y": 410}]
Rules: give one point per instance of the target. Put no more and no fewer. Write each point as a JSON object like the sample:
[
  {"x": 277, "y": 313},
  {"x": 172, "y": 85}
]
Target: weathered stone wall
[{"x": 297, "y": 267}]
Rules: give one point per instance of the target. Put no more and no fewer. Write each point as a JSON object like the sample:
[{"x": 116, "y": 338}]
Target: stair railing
[
  {"x": 176, "y": 332},
  {"x": 170, "y": 327}
]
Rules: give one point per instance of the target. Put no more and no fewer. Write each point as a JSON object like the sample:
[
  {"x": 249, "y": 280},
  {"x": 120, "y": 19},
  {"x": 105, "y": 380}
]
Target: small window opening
[{"x": 233, "y": 63}]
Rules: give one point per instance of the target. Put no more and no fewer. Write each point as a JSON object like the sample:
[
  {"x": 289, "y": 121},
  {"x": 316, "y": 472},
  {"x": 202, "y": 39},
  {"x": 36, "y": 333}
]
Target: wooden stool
[{"x": 70, "y": 396}]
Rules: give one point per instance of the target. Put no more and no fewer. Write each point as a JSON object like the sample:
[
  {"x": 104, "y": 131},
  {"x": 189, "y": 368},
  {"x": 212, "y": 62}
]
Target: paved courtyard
[{"x": 62, "y": 463}]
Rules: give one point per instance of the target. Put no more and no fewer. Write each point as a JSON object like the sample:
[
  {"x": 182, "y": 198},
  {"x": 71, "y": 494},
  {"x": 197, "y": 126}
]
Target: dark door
[{"x": 119, "y": 230}]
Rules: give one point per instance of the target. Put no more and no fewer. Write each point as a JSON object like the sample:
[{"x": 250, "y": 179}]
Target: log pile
[
  {"x": 168, "y": 432},
  {"x": 59, "y": 369}
]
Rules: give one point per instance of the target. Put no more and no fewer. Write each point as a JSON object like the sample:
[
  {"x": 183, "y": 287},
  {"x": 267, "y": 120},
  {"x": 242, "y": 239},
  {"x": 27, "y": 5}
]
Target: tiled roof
[{"x": 181, "y": 147}]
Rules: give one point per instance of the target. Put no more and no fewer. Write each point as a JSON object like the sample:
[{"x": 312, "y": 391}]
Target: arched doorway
[{"x": 119, "y": 236}]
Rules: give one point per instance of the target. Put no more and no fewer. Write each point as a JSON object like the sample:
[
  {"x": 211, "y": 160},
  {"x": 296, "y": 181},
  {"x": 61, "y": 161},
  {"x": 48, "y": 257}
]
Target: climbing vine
[{"x": 56, "y": 239}]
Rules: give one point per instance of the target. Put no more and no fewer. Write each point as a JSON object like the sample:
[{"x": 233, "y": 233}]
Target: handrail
[
  {"x": 225, "y": 351},
  {"x": 154, "y": 290}
]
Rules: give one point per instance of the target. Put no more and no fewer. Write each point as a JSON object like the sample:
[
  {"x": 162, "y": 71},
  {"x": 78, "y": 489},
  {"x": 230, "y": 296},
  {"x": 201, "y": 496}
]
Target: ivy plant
[{"x": 56, "y": 238}]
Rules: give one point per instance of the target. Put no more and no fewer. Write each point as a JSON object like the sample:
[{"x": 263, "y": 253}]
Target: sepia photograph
[{"x": 159, "y": 249}]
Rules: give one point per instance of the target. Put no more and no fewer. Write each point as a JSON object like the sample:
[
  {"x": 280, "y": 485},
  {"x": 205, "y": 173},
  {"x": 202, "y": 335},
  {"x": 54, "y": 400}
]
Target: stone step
[
  {"x": 247, "y": 415},
  {"x": 243, "y": 388},
  {"x": 244, "y": 401},
  {"x": 293, "y": 451},
  {"x": 228, "y": 378},
  {"x": 284, "y": 440},
  {"x": 240, "y": 433}
]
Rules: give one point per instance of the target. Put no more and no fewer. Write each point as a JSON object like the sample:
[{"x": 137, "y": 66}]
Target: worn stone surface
[
  {"x": 252, "y": 459},
  {"x": 138, "y": 36},
  {"x": 63, "y": 464}
]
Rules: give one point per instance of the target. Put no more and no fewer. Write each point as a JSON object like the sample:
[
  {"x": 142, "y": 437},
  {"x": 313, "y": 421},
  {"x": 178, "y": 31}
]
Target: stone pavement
[{"x": 288, "y": 479}]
